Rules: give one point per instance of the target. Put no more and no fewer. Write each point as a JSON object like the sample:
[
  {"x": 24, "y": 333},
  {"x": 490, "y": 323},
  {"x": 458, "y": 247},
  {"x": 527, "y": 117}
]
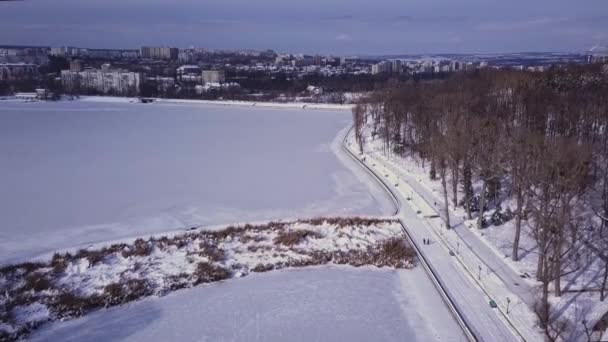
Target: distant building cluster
[
  {"x": 162, "y": 71},
  {"x": 397, "y": 66},
  {"x": 166, "y": 53},
  {"x": 69, "y": 51},
  {"x": 598, "y": 54}
]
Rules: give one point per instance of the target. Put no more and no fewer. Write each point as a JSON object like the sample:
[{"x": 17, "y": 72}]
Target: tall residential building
[
  {"x": 214, "y": 76},
  {"x": 107, "y": 81},
  {"x": 396, "y": 66},
  {"x": 189, "y": 74},
  {"x": 166, "y": 53},
  {"x": 15, "y": 71},
  {"x": 67, "y": 51},
  {"x": 381, "y": 68},
  {"x": 76, "y": 65}
]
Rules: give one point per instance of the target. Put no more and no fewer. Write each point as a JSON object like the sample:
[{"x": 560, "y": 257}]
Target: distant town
[{"x": 198, "y": 73}]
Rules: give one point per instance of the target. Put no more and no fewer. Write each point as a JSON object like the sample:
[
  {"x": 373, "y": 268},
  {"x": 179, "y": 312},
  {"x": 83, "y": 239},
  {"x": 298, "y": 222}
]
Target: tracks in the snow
[{"x": 466, "y": 328}]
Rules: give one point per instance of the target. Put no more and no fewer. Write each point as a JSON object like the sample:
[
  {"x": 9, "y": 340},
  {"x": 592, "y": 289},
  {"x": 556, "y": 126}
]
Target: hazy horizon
[{"x": 355, "y": 27}]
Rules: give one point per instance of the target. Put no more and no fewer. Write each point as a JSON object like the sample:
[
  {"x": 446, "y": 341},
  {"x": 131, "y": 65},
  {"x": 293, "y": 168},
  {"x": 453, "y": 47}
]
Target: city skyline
[{"x": 336, "y": 27}]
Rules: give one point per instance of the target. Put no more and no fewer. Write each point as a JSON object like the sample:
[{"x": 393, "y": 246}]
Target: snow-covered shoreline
[
  {"x": 184, "y": 141},
  {"x": 291, "y": 105},
  {"x": 70, "y": 285}
]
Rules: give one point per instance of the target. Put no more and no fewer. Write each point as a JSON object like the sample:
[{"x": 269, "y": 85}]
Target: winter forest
[{"x": 526, "y": 148}]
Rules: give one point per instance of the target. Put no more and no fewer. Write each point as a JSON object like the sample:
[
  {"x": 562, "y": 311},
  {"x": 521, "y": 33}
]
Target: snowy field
[
  {"x": 327, "y": 303},
  {"x": 77, "y": 173}
]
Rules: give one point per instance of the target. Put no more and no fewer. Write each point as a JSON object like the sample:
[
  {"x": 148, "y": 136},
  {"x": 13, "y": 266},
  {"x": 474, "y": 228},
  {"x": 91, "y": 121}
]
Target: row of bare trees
[{"x": 538, "y": 139}]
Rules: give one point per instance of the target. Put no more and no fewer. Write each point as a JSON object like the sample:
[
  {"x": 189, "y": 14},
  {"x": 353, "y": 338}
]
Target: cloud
[
  {"x": 340, "y": 18},
  {"x": 343, "y": 37},
  {"x": 520, "y": 25},
  {"x": 402, "y": 18}
]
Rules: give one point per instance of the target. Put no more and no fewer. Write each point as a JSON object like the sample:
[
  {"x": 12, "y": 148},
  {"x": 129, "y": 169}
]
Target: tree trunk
[
  {"x": 557, "y": 269},
  {"x": 520, "y": 199},
  {"x": 455, "y": 186},
  {"x": 445, "y": 195},
  {"x": 541, "y": 257},
  {"x": 604, "y": 279},
  {"x": 482, "y": 203},
  {"x": 467, "y": 187},
  {"x": 543, "y": 306},
  {"x": 543, "y": 310}
]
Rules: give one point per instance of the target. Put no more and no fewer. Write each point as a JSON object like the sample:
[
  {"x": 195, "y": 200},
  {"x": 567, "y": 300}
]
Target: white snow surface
[
  {"x": 76, "y": 173},
  {"x": 491, "y": 248},
  {"x": 327, "y": 303}
]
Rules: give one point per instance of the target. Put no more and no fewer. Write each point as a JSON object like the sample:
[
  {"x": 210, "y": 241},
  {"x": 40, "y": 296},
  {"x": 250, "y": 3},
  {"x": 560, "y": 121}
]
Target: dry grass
[
  {"x": 346, "y": 221},
  {"x": 68, "y": 304},
  {"x": 36, "y": 281},
  {"x": 295, "y": 237},
  {"x": 207, "y": 273},
  {"x": 139, "y": 248},
  {"x": 59, "y": 263},
  {"x": 260, "y": 268},
  {"x": 212, "y": 252},
  {"x": 394, "y": 252},
  {"x": 30, "y": 282},
  {"x": 25, "y": 268},
  {"x": 126, "y": 291}
]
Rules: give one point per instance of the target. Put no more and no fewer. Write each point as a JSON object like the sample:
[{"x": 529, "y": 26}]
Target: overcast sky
[{"x": 341, "y": 27}]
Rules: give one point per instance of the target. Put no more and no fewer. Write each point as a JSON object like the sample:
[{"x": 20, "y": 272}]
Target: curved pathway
[{"x": 465, "y": 287}]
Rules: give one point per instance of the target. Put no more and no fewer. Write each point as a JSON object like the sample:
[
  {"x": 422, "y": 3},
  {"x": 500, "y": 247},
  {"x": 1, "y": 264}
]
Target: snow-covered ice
[
  {"x": 328, "y": 303},
  {"x": 76, "y": 173}
]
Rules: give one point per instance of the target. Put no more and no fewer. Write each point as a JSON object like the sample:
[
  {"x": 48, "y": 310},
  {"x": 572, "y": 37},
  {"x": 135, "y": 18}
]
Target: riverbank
[{"x": 291, "y": 105}]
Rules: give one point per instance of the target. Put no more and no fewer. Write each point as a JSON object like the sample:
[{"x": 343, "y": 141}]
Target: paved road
[
  {"x": 496, "y": 263},
  {"x": 471, "y": 302}
]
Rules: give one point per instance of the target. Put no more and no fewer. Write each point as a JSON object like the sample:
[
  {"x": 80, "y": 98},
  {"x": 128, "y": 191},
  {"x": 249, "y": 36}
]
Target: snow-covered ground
[
  {"x": 327, "y": 303},
  {"x": 491, "y": 248},
  {"x": 83, "y": 172},
  {"x": 79, "y": 172},
  {"x": 70, "y": 285},
  {"x": 290, "y": 105}
]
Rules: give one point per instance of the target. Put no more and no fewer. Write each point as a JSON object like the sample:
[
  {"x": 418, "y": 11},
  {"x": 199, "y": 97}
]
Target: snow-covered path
[
  {"x": 491, "y": 260},
  {"x": 471, "y": 281}
]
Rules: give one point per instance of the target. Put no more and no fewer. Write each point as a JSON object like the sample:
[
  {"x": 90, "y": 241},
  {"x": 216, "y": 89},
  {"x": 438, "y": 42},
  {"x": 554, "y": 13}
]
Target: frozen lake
[
  {"x": 75, "y": 173},
  {"x": 312, "y": 304}
]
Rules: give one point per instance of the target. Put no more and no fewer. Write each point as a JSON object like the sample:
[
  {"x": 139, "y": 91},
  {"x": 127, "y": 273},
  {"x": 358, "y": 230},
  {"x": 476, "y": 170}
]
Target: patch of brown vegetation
[
  {"x": 295, "y": 237},
  {"x": 68, "y": 304},
  {"x": 139, "y": 248},
  {"x": 59, "y": 262},
  {"x": 260, "y": 268},
  {"x": 28, "y": 282},
  {"x": 36, "y": 281},
  {"x": 126, "y": 291},
  {"x": 93, "y": 256},
  {"x": 207, "y": 273},
  {"x": 212, "y": 252},
  {"x": 346, "y": 221},
  {"x": 25, "y": 268}
]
